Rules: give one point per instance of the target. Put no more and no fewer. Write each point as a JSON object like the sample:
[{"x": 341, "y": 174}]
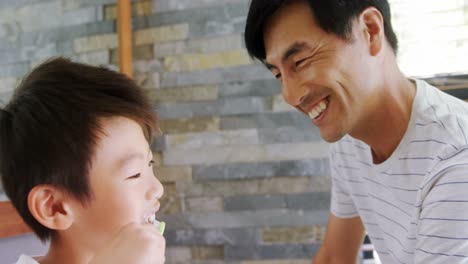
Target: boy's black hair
[
  {"x": 333, "y": 16},
  {"x": 50, "y": 128}
]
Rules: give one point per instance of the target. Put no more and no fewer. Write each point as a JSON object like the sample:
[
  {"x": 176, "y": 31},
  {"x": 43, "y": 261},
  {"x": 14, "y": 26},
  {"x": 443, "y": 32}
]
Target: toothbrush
[{"x": 161, "y": 225}]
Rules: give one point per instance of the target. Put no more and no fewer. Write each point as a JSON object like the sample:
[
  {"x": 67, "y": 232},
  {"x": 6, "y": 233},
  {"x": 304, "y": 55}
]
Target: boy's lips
[{"x": 152, "y": 212}]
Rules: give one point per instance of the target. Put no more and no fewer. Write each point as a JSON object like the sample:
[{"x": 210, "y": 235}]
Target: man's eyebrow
[
  {"x": 290, "y": 51},
  {"x": 294, "y": 49}
]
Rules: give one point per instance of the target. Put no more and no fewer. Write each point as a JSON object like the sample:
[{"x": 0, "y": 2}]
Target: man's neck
[{"x": 384, "y": 129}]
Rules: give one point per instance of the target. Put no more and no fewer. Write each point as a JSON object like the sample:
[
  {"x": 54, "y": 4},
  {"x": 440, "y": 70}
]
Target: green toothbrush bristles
[{"x": 162, "y": 226}]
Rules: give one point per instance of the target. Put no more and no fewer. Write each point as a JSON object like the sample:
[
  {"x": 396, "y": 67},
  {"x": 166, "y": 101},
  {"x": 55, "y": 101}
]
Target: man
[{"x": 399, "y": 161}]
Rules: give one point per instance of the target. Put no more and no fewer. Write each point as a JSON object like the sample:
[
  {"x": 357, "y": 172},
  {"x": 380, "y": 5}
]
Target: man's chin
[{"x": 331, "y": 137}]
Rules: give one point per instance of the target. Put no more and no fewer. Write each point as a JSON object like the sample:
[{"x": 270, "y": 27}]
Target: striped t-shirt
[{"x": 414, "y": 205}]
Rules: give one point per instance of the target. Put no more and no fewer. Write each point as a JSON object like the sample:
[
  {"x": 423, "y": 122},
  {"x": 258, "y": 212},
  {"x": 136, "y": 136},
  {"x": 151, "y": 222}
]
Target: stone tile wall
[{"x": 245, "y": 175}]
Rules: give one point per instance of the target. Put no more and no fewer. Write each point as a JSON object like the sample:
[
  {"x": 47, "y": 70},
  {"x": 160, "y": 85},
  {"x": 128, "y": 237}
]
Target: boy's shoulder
[{"x": 23, "y": 259}]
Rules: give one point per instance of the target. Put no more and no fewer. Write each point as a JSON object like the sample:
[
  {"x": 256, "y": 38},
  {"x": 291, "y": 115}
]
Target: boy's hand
[{"x": 135, "y": 243}]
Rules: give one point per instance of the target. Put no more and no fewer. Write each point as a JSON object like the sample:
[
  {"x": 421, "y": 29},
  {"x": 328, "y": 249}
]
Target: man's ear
[
  {"x": 372, "y": 22},
  {"x": 51, "y": 207}
]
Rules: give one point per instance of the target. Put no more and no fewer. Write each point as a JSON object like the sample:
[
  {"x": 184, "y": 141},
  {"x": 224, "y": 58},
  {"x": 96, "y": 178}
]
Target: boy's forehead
[{"x": 122, "y": 139}]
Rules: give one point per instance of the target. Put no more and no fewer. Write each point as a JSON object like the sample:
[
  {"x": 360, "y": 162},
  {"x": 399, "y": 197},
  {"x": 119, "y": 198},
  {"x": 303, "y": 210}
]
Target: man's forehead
[{"x": 289, "y": 24}]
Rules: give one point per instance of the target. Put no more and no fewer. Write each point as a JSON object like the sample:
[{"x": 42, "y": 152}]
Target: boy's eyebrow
[
  {"x": 131, "y": 156},
  {"x": 135, "y": 155}
]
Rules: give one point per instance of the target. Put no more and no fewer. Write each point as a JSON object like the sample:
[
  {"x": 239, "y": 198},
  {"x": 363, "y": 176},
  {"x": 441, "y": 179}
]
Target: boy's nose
[{"x": 156, "y": 189}]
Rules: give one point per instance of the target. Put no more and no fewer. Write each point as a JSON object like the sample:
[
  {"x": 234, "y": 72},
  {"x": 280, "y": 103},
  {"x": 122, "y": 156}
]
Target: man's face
[
  {"x": 124, "y": 188},
  {"x": 323, "y": 76}
]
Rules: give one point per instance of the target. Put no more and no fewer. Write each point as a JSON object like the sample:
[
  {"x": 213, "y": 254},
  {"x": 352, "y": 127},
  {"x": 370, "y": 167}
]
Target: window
[{"x": 433, "y": 36}]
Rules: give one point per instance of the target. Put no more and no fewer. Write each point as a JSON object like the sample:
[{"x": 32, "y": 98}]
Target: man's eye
[
  {"x": 299, "y": 62},
  {"x": 278, "y": 76},
  {"x": 135, "y": 176}
]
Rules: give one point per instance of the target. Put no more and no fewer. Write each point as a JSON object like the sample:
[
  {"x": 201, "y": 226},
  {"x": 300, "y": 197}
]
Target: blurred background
[{"x": 246, "y": 176}]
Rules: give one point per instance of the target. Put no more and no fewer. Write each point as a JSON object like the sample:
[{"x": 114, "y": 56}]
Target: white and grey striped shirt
[{"x": 414, "y": 205}]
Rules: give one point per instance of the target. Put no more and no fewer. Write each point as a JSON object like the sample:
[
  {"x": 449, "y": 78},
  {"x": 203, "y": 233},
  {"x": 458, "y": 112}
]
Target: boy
[{"x": 76, "y": 163}]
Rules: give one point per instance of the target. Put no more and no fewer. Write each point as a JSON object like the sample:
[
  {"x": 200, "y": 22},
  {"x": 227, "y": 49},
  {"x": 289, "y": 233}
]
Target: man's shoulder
[
  {"x": 439, "y": 106},
  {"x": 24, "y": 259},
  {"x": 441, "y": 117}
]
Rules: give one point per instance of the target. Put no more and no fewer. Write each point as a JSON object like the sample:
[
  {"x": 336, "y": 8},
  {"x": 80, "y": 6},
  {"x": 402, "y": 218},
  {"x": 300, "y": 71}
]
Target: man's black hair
[{"x": 333, "y": 16}]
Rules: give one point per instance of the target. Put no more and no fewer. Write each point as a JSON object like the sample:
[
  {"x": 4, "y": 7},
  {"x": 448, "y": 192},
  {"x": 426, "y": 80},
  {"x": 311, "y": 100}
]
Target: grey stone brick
[
  {"x": 267, "y": 120},
  {"x": 216, "y": 28},
  {"x": 158, "y": 144},
  {"x": 210, "y": 108},
  {"x": 233, "y": 236},
  {"x": 215, "y": 76},
  {"x": 254, "y": 202},
  {"x": 40, "y": 15},
  {"x": 286, "y": 251},
  {"x": 204, "y": 204},
  {"x": 245, "y": 219},
  {"x": 277, "y": 185},
  {"x": 261, "y": 169},
  {"x": 308, "y": 201},
  {"x": 314, "y": 201},
  {"x": 74, "y": 4},
  {"x": 246, "y": 153},
  {"x": 252, "y": 88},
  {"x": 14, "y": 70},
  {"x": 20, "y": 3},
  {"x": 178, "y": 255},
  {"x": 28, "y": 53},
  {"x": 43, "y": 37},
  {"x": 206, "y": 46},
  {"x": 212, "y": 138},
  {"x": 9, "y": 84},
  {"x": 202, "y": 20},
  {"x": 9, "y": 30},
  {"x": 289, "y": 134},
  {"x": 172, "y": 5},
  {"x": 99, "y": 57},
  {"x": 190, "y": 125},
  {"x": 7, "y": 44},
  {"x": 79, "y": 16},
  {"x": 195, "y": 93},
  {"x": 11, "y": 56},
  {"x": 5, "y": 98},
  {"x": 35, "y": 53}
]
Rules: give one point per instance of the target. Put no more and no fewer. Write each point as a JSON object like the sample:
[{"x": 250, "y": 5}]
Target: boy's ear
[{"x": 51, "y": 207}]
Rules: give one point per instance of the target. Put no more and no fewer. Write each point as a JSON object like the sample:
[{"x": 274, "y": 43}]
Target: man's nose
[{"x": 293, "y": 91}]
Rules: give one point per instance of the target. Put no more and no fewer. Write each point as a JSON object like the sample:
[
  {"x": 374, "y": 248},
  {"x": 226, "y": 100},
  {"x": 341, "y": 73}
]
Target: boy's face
[{"x": 124, "y": 188}]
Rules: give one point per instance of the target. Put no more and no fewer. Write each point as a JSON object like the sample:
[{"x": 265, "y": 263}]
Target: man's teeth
[{"x": 318, "y": 110}]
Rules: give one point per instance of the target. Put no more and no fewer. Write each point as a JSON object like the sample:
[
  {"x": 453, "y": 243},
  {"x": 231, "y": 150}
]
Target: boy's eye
[{"x": 135, "y": 176}]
